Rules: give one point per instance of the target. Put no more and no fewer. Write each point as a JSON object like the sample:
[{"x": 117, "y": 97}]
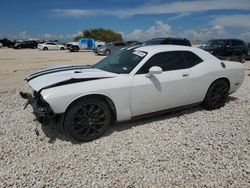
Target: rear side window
[
  {"x": 191, "y": 59},
  {"x": 166, "y": 60},
  {"x": 237, "y": 43}
]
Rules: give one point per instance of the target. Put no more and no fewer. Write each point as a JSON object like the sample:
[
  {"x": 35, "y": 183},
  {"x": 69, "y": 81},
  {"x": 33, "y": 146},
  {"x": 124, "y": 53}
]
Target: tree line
[{"x": 105, "y": 35}]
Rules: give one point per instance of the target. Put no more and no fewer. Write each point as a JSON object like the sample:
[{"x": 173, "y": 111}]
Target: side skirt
[{"x": 149, "y": 115}]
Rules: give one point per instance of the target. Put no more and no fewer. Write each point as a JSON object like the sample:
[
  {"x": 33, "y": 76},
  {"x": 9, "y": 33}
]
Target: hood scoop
[{"x": 78, "y": 72}]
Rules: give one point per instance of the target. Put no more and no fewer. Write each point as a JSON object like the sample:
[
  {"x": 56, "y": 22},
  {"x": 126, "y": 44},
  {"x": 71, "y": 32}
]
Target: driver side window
[{"x": 166, "y": 60}]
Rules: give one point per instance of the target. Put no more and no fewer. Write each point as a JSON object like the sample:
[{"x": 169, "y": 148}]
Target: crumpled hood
[{"x": 66, "y": 74}]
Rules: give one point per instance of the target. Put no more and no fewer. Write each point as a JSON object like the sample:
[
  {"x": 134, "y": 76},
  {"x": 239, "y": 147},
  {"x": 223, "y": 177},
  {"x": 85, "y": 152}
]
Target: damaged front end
[{"x": 41, "y": 108}]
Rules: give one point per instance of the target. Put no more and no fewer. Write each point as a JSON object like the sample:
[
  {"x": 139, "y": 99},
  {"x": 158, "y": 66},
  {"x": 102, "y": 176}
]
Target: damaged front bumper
[{"x": 41, "y": 108}]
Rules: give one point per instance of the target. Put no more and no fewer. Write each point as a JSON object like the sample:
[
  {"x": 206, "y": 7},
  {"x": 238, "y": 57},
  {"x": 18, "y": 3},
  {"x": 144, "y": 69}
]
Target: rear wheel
[
  {"x": 107, "y": 52},
  {"x": 242, "y": 58},
  {"x": 87, "y": 119},
  {"x": 216, "y": 95}
]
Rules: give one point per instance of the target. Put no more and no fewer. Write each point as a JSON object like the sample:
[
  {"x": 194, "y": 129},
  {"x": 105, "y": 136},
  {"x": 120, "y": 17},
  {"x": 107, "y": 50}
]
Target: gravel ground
[{"x": 187, "y": 148}]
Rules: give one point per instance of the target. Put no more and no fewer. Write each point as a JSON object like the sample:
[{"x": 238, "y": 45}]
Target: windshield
[
  {"x": 122, "y": 62},
  {"x": 216, "y": 43}
]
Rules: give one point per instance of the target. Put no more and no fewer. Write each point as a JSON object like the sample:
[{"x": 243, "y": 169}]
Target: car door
[
  {"x": 54, "y": 46},
  {"x": 49, "y": 46},
  {"x": 227, "y": 50},
  {"x": 198, "y": 81},
  {"x": 83, "y": 44},
  {"x": 26, "y": 44},
  {"x": 237, "y": 47},
  {"x": 160, "y": 91}
]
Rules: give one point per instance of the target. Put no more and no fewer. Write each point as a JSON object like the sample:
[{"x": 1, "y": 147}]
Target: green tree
[{"x": 101, "y": 34}]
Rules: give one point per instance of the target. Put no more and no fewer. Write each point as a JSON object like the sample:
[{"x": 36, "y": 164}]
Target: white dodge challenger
[{"x": 130, "y": 83}]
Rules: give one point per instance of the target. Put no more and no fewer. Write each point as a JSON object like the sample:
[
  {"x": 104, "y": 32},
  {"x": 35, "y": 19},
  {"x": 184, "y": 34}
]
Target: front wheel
[
  {"x": 87, "y": 119},
  {"x": 62, "y": 48},
  {"x": 76, "y": 49},
  {"x": 216, "y": 95}
]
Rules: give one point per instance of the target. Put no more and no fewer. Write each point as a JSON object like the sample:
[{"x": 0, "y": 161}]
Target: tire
[
  {"x": 216, "y": 95},
  {"x": 62, "y": 48},
  {"x": 87, "y": 119},
  {"x": 242, "y": 58},
  {"x": 76, "y": 49},
  {"x": 107, "y": 52},
  {"x": 45, "y": 48}
]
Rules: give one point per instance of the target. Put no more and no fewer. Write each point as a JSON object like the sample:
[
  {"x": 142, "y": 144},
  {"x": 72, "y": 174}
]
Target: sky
[{"x": 196, "y": 20}]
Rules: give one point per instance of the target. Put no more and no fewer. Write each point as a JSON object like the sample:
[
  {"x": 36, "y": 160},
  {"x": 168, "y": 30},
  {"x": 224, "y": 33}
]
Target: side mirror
[{"x": 154, "y": 70}]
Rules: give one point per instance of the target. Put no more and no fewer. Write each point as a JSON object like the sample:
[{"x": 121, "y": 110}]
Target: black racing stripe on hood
[
  {"x": 60, "y": 68},
  {"x": 45, "y": 73},
  {"x": 71, "y": 81}
]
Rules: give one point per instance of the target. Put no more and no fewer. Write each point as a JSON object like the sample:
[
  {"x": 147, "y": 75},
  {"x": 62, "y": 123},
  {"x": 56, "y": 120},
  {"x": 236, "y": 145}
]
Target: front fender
[{"x": 59, "y": 98}]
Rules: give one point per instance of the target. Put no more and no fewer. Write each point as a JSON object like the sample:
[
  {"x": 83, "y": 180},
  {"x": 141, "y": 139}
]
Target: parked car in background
[
  {"x": 7, "y": 43},
  {"x": 248, "y": 53},
  {"x": 133, "y": 43},
  {"x": 109, "y": 48},
  {"x": 174, "y": 41},
  {"x": 1, "y": 45},
  {"x": 82, "y": 44},
  {"x": 26, "y": 44},
  {"x": 130, "y": 83},
  {"x": 51, "y": 46},
  {"x": 233, "y": 49}
]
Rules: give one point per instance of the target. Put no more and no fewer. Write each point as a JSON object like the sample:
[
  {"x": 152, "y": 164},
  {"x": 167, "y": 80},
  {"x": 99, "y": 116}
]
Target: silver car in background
[{"x": 109, "y": 48}]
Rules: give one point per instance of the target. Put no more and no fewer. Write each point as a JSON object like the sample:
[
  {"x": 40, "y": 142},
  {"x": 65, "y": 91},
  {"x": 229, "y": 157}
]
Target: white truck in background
[{"x": 84, "y": 44}]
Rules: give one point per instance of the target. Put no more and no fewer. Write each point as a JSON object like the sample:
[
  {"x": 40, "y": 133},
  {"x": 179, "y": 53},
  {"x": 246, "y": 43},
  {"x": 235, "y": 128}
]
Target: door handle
[{"x": 185, "y": 74}]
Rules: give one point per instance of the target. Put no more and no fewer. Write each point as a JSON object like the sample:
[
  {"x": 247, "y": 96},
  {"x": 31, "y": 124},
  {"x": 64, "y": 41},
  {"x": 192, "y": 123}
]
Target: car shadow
[
  {"x": 68, "y": 51},
  {"x": 54, "y": 130}
]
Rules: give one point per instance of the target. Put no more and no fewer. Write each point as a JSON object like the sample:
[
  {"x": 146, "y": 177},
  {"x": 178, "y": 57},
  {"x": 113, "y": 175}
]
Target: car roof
[
  {"x": 164, "y": 48},
  {"x": 226, "y": 39},
  {"x": 167, "y": 47},
  {"x": 171, "y": 38}
]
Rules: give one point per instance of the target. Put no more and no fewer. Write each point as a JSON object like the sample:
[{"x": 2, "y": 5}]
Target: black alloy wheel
[
  {"x": 216, "y": 95},
  {"x": 87, "y": 119}
]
